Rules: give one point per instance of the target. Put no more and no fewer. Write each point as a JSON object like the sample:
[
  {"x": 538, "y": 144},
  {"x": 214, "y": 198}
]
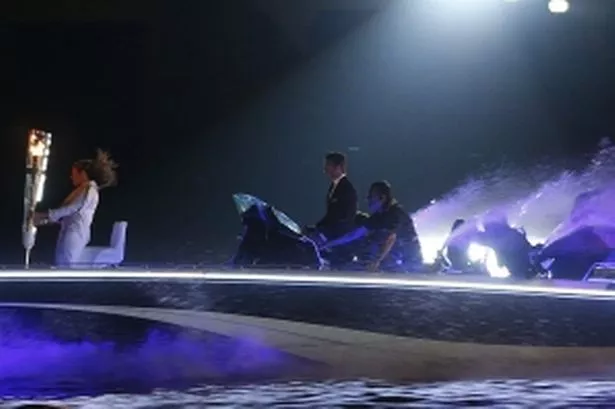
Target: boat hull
[{"x": 410, "y": 329}]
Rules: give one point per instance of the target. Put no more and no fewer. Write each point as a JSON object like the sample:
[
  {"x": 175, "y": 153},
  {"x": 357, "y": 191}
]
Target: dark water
[{"x": 364, "y": 394}]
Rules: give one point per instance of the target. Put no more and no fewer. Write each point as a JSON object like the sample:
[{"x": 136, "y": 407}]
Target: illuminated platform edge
[{"x": 599, "y": 289}]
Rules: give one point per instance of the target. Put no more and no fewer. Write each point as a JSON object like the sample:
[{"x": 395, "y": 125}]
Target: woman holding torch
[{"x": 77, "y": 211}]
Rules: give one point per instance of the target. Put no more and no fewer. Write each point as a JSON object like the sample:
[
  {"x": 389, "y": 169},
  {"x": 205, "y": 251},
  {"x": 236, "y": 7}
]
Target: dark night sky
[{"x": 199, "y": 99}]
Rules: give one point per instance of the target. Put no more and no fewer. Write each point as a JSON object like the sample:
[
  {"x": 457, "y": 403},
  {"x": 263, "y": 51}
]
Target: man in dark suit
[{"x": 341, "y": 199}]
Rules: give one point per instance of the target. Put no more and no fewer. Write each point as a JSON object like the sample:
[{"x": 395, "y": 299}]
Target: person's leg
[{"x": 68, "y": 250}]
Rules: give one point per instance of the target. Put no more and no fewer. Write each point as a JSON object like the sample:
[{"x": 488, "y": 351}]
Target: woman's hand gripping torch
[{"x": 37, "y": 159}]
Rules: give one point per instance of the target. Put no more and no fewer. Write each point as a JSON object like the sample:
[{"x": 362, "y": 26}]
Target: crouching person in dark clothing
[
  {"x": 511, "y": 246},
  {"x": 394, "y": 244}
]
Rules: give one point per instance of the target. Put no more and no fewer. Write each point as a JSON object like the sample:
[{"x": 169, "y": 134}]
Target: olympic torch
[{"x": 37, "y": 159}]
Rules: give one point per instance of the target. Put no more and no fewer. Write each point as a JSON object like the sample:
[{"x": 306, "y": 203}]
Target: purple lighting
[{"x": 36, "y": 365}]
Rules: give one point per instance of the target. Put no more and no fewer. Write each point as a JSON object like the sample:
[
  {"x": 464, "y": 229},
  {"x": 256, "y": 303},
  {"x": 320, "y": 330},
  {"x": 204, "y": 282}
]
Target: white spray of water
[{"x": 539, "y": 199}]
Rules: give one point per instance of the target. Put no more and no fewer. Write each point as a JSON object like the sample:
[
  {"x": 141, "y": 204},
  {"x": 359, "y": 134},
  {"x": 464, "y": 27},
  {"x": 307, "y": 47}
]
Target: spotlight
[{"x": 558, "y": 6}]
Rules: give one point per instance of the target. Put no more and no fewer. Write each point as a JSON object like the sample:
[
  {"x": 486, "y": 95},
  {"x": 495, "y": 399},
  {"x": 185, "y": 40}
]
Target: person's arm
[
  {"x": 54, "y": 215},
  {"x": 392, "y": 223},
  {"x": 346, "y": 208},
  {"x": 386, "y": 247},
  {"x": 325, "y": 219},
  {"x": 347, "y": 238}
]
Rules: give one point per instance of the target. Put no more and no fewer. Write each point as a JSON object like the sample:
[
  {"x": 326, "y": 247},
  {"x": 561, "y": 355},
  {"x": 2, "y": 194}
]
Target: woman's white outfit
[{"x": 75, "y": 218}]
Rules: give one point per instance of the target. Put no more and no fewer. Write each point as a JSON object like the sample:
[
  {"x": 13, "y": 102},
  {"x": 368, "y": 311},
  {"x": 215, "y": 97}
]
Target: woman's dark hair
[
  {"x": 382, "y": 188},
  {"x": 100, "y": 169}
]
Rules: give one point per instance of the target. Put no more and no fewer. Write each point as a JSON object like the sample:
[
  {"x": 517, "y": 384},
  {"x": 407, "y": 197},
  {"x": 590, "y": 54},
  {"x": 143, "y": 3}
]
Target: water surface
[{"x": 364, "y": 394}]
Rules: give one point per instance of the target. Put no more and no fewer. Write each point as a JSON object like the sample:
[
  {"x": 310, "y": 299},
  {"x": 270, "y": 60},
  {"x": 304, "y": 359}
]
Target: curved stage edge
[{"x": 385, "y": 326}]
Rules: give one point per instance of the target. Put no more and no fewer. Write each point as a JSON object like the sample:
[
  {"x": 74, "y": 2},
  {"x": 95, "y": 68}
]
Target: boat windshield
[{"x": 244, "y": 201}]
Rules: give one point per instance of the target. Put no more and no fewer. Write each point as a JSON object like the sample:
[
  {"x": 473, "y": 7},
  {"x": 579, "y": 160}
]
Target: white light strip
[
  {"x": 406, "y": 282},
  {"x": 76, "y": 275}
]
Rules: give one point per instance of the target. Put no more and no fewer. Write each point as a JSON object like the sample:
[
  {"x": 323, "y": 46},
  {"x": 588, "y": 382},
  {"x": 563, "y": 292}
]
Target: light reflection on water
[{"x": 368, "y": 394}]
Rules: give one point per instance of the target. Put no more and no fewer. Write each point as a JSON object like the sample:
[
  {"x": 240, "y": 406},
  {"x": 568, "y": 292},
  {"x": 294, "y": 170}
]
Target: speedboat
[
  {"x": 293, "y": 325},
  {"x": 219, "y": 325}
]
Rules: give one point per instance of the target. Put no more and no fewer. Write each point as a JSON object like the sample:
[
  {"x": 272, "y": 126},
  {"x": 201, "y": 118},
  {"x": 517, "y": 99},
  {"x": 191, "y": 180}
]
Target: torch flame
[{"x": 36, "y": 146}]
